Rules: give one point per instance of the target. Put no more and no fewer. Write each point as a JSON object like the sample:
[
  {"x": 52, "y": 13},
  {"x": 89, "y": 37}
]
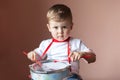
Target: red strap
[
  {"x": 69, "y": 60},
  {"x": 47, "y": 49},
  {"x": 53, "y": 40}
]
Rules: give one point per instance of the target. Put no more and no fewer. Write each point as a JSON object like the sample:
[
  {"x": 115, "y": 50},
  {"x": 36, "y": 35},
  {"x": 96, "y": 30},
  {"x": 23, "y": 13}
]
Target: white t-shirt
[{"x": 59, "y": 50}]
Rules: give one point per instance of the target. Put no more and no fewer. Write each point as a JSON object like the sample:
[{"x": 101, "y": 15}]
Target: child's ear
[
  {"x": 72, "y": 26},
  {"x": 48, "y": 26}
]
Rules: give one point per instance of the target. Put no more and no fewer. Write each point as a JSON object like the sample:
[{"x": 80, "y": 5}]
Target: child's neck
[{"x": 66, "y": 40}]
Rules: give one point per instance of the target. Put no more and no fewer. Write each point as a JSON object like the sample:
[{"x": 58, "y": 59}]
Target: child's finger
[
  {"x": 72, "y": 56},
  {"x": 79, "y": 57},
  {"x": 76, "y": 54},
  {"x": 33, "y": 57}
]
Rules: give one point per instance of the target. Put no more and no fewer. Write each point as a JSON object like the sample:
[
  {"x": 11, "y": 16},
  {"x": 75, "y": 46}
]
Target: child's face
[{"x": 60, "y": 30}]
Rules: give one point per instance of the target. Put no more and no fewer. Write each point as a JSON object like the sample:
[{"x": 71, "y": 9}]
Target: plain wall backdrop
[{"x": 23, "y": 27}]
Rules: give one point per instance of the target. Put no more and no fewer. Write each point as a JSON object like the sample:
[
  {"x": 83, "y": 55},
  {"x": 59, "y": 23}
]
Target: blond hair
[{"x": 59, "y": 12}]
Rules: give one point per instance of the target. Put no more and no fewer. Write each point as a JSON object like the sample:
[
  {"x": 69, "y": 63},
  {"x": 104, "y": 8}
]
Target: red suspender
[
  {"x": 69, "y": 52},
  {"x": 68, "y": 47},
  {"x": 47, "y": 49}
]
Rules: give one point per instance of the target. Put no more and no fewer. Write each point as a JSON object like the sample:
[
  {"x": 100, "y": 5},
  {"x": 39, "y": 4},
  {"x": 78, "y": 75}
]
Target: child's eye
[
  {"x": 56, "y": 27},
  {"x": 64, "y": 27}
]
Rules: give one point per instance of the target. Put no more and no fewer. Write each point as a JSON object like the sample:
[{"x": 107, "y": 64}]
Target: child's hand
[
  {"x": 32, "y": 56},
  {"x": 88, "y": 56},
  {"x": 74, "y": 56}
]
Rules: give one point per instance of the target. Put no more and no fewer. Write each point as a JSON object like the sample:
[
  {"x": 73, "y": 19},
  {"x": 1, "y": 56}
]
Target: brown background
[{"x": 23, "y": 27}]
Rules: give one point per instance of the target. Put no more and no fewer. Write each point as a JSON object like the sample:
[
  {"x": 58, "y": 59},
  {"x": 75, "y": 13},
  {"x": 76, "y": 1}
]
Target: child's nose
[{"x": 60, "y": 30}]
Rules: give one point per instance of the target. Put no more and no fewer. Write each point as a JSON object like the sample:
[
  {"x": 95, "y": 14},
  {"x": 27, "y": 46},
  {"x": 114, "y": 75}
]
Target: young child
[{"x": 62, "y": 46}]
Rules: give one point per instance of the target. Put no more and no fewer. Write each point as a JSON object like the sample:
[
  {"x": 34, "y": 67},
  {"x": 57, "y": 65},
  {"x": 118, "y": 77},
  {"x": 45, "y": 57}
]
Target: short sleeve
[
  {"x": 39, "y": 50},
  {"x": 43, "y": 45},
  {"x": 83, "y": 47}
]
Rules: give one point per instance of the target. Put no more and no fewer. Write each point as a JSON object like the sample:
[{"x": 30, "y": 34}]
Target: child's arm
[{"x": 88, "y": 56}]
